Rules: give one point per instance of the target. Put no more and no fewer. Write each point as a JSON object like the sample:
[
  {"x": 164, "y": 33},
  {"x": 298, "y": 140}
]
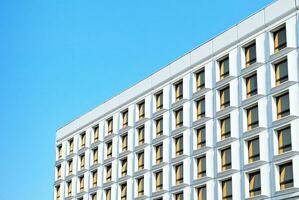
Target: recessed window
[
  {"x": 110, "y": 125},
  {"x": 179, "y": 145},
  {"x": 284, "y": 140},
  {"x": 95, "y": 154},
  {"x": 225, "y": 127},
  {"x": 281, "y": 72},
  {"x": 82, "y": 161},
  {"x": 286, "y": 176},
  {"x": 71, "y": 146},
  {"x": 201, "y": 137},
  {"x": 226, "y": 161},
  {"x": 69, "y": 188},
  {"x": 83, "y": 139},
  {"x": 224, "y": 67},
  {"x": 123, "y": 189},
  {"x": 202, "y": 193},
  {"x": 179, "y": 174},
  {"x": 178, "y": 90},
  {"x": 254, "y": 184},
  {"x": 224, "y": 98},
  {"x": 125, "y": 118},
  {"x": 124, "y": 166},
  {"x": 252, "y": 117},
  {"x": 201, "y": 108},
  {"x": 140, "y": 157},
  {"x": 251, "y": 86},
  {"x": 141, "y": 110},
  {"x": 57, "y": 192},
  {"x": 95, "y": 133},
  {"x": 140, "y": 183},
  {"x": 179, "y": 196},
  {"x": 81, "y": 181},
  {"x": 108, "y": 173},
  {"x": 94, "y": 178},
  {"x": 201, "y": 167},
  {"x": 140, "y": 131},
  {"x": 159, "y": 101},
  {"x": 109, "y": 149},
  {"x": 124, "y": 142},
  {"x": 250, "y": 54},
  {"x": 159, "y": 180},
  {"x": 159, "y": 127},
  {"x": 70, "y": 167},
  {"x": 58, "y": 171},
  {"x": 94, "y": 196},
  {"x": 179, "y": 118},
  {"x": 253, "y": 150},
  {"x": 227, "y": 193},
  {"x": 59, "y": 151},
  {"x": 280, "y": 39},
  {"x": 200, "y": 80},
  {"x": 159, "y": 153},
  {"x": 108, "y": 194},
  {"x": 283, "y": 105}
]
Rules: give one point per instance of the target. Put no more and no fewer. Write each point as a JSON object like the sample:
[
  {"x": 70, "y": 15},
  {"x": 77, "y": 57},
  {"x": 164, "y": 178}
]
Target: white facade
[{"x": 259, "y": 28}]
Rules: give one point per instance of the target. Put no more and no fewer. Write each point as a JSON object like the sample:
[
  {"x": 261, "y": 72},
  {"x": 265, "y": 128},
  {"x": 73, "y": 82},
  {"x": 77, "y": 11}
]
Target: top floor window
[
  {"x": 200, "y": 79},
  {"x": 141, "y": 109},
  {"x": 159, "y": 101},
  {"x": 110, "y": 125},
  {"x": 224, "y": 67},
  {"x": 178, "y": 90},
  {"x": 250, "y": 54},
  {"x": 125, "y": 118},
  {"x": 280, "y": 39}
]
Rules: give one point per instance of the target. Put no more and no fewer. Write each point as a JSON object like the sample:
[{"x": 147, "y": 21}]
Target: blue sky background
[{"x": 61, "y": 58}]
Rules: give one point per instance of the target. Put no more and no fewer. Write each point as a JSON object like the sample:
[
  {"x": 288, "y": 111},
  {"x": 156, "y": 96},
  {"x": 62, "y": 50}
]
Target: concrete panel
[
  {"x": 180, "y": 64},
  {"x": 225, "y": 39},
  {"x": 297, "y": 4},
  {"x": 201, "y": 52},
  {"x": 252, "y": 23},
  {"x": 278, "y": 9},
  {"x": 160, "y": 76}
]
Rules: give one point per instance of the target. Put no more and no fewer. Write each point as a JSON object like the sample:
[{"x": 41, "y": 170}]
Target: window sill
[
  {"x": 200, "y": 181},
  {"x": 200, "y": 93},
  {"x": 81, "y": 172},
  {"x": 258, "y": 197},
  {"x": 125, "y": 129},
  {"x": 246, "y": 70},
  {"x": 109, "y": 137},
  {"x": 253, "y": 165},
  {"x": 178, "y": 103},
  {"x": 221, "y": 83},
  {"x": 57, "y": 182},
  {"x": 108, "y": 160},
  {"x": 69, "y": 177},
  {"x": 280, "y": 53},
  {"x": 141, "y": 197},
  {"x": 252, "y": 132},
  {"x": 140, "y": 172},
  {"x": 124, "y": 178},
  {"x": 284, "y": 120},
  {"x": 124, "y": 154},
  {"x": 201, "y": 151},
  {"x": 108, "y": 184},
  {"x": 159, "y": 166},
  {"x": 82, "y": 151},
  {"x": 200, "y": 122},
  {"x": 253, "y": 99},
  {"x": 94, "y": 189},
  {"x": 179, "y": 130},
  {"x": 158, "y": 193},
  {"x": 176, "y": 188},
  {"x": 285, "y": 156},
  {"x": 80, "y": 194},
  {"x": 225, "y": 142},
  {"x": 141, "y": 146},
  {"x": 179, "y": 158},
  {"x": 141, "y": 122},
  {"x": 225, "y": 111},
  {"x": 280, "y": 194},
  {"x": 94, "y": 166},
  {"x": 226, "y": 173},
  {"x": 281, "y": 87},
  {"x": 158, "y": 113},
  {"x": 95, "y": 144},
  {"x": 158, "y": 139}
]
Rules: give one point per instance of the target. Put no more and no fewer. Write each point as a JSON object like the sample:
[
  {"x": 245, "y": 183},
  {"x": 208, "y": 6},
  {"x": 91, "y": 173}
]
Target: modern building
[{"x": 220, "y": 122}]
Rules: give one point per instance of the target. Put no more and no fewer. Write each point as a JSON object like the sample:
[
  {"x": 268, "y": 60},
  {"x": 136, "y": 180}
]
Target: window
[
  {"x": 58, "y": 192},
  {"x": 226, "y": 162},
  {"x": 224, "y": 97},
  {"x": 140, "y": 183},
  {"x": 159, "y": 181},
  {"x": 159, "y": 127},
  {"x": 283, "y": 106},
  {"x": 159, "y": 101},
  {"x": 109, "y": 149},
  {"x": 251, "y": 86},
  {"x": 179, "y": 145},
  {"x": 83, "y": 140},
  {"x": 201, "y": 167},
  {"x": 95, "y": 133},
  {"x": 250, "y": 54},
  {"x": 81, "y": 181},
  {"x": 224, "y": 67},
  {"x": 140, "y": 131},
  {"x": 252, "y": 117},
  {"x": 227, "y": 190},
  {"x": 286, "y": 176},
  {"x": 59, "y": 151},
  {"x": 141, "y": 110},
  {"x": 179, "y": 196},
  {"x": 70, "y": 167},
  {"x": 95, "y": 155},
  {"x": 58, "y": 169},
  {"x": 179, "y": 118},
  {"x": 82, "y": 161},
  {"x": 284, "y": 140},
  {"x": 69, "y": 188},
  {"x": 110, "y": 125},
  {"x": 108, "y": 194},
  {"x": 123, "y": 189},
  {"x": 125, "y": 118},
  {"x": 140, "y": 157},
  {"x": 124, "y": 167},
  {"x": 71, "y": 146},
  {"x": 201, "y": 110},
  {"x": 254, "y": 184},
  {"x": 281, "y": 72},
  {"x": 94, "y": 196},
  {"x": 159, "y": 153},
  {"x": 178, "y": 90},
  {"x": 124, "y": 140},
  {"x": 201, "y": 137},
  {"x": 280, "y": 39},
  {"x": 225, "y": 127},
  {"x": 179, "y": 174},
  {"x": 253, "y": 150},
  {"x": 108, "y": 173},
  {"x": 202, "y": 193},
  {"x": 200, "y": 79},
  {"x": 94, "y": 178}
]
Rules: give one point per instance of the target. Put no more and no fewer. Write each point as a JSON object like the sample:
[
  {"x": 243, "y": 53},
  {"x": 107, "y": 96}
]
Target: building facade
[{"x": 220, "y": 122}]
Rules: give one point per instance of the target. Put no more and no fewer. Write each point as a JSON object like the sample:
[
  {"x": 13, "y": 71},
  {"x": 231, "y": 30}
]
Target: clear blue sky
[{"x": 61, "y": 58}]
